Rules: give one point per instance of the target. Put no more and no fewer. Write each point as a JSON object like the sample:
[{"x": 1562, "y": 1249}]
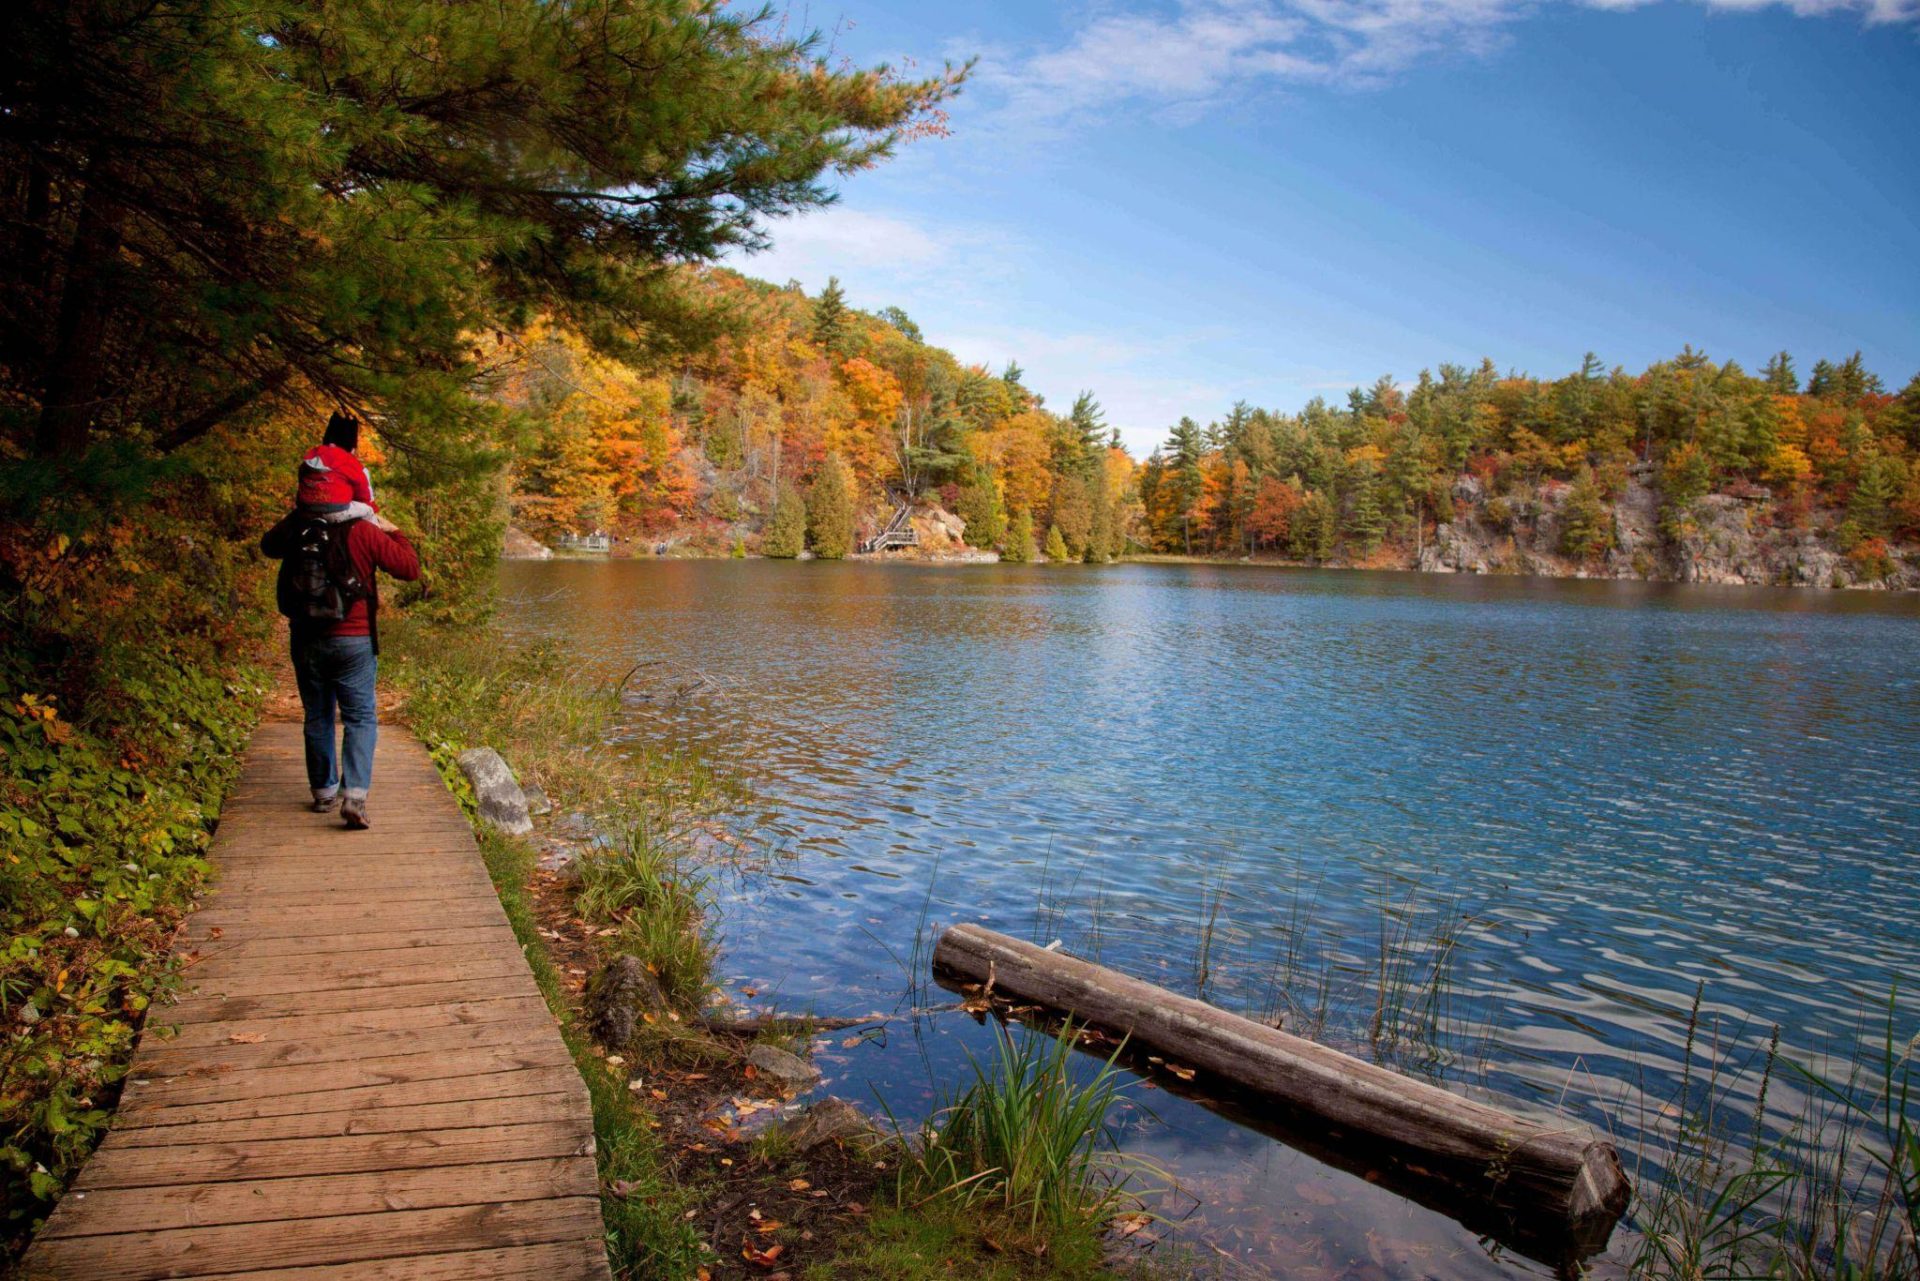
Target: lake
[{"x": 1252, "y": 783}]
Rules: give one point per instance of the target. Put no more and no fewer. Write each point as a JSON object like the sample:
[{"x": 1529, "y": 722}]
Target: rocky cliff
[{"x": 1721, "y": 538}]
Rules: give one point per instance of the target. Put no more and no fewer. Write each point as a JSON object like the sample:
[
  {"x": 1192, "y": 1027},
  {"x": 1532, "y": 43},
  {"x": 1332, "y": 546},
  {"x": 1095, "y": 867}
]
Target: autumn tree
[
  {"x": 1275, "y": 502},
  {"x": 830, "y": 510}
]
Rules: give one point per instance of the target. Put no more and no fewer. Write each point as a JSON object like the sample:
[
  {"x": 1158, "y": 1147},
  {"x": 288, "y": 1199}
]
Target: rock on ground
[
  {"x": 831, "y": 1121},
  {"x": 617, "y": 997},
  {"x": 783, "y": 1069},
  {"x": 495, "y": 790}
]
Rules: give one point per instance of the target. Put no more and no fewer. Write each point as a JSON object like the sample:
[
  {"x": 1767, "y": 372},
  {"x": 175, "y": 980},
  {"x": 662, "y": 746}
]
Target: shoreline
[{"x": 980, "y": 559}]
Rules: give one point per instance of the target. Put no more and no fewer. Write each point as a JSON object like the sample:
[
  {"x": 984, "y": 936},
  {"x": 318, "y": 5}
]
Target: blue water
[{"x": 1608, "y": 794}]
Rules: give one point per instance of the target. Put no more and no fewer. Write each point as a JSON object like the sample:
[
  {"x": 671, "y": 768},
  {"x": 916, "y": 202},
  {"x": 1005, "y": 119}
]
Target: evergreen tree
[
  {"x": 1779, "y": 374},
  {"x": 786, "y": 533},
  {"x": 1088, "y": 421},
  {"x": 1057, "y": 546},
  {"x": 1073, "y": 514},
  {"x": 1869, "y": 509},
  {"x": 1586, "y": 527},
  {"x": 980, "y": 508},
  {"x": 830, "y": 317},
  {"x": 1311, "y": 533},
  {"x": 830, "y": 510},
  {"x": 205, "y": 207},
  {"x": 1102, "y": 539},
  {"x": 1019, "y": 548},
  {"x": 1365, "y": 520}
]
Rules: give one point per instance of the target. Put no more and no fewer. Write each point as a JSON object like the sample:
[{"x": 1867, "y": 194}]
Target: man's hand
[{"x": 382, "y": 524}]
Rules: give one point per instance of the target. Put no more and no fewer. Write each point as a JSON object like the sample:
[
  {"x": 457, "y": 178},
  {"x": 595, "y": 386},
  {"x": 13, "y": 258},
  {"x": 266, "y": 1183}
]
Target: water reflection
[{"x": 1615, "y": 791}]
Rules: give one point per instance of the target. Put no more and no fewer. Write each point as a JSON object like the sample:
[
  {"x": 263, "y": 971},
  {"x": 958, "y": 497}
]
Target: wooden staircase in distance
[{"x": 360, "y": 1078}]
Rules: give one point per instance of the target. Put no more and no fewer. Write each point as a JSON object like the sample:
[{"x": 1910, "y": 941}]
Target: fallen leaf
[
  {"x": 763, "y": 1258},
  {"x": 769, "y": 1225},
  {"x": 798, "y": 1185},
  {"x": 247, "y": 1038},
  {"x": 1128, "y": 1224},
  {"x": 1184, "y": 1073}
]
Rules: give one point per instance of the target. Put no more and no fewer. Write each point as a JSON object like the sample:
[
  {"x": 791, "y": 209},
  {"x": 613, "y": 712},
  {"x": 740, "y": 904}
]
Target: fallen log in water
[{"x": 1553, "y": 1177}]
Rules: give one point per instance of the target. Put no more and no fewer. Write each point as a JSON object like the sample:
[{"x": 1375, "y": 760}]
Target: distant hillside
[{"x": 1690, "y": 470}]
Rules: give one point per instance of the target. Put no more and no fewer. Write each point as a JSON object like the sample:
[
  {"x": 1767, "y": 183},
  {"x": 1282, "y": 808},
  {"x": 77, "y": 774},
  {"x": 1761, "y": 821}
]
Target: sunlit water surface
[{"x": 1609, "y": 793}]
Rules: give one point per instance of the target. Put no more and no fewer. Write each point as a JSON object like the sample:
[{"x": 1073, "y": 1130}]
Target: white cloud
[
  {"x": 1208, "y": 52},
  {"x": 836, "y": 241}
]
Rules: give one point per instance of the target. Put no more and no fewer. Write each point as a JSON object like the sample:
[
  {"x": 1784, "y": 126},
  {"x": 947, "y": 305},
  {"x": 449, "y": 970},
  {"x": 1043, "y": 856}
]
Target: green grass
[
  {"x": 1026, "y": 1141},
  {"x": 647, "y": 1232},
  {"x": 551, "y": 725}
]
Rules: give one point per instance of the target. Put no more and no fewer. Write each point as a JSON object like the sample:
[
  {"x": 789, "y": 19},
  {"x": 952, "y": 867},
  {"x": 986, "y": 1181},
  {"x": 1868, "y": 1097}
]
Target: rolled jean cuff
[
  {"x": 356, "y": 793},
  {"x": 325, "y": 793}
]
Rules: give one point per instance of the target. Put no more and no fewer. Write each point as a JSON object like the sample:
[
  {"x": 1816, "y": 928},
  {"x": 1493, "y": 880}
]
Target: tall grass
[
  {"x": 1026, "y": 1141},
  {"x": 1828, "y": 1189},
  {"x": 644, "y": 883}
]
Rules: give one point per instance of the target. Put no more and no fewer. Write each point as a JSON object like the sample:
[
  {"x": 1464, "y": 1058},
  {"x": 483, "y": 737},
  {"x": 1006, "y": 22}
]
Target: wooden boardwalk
[{"x": 362, "y": 1080}]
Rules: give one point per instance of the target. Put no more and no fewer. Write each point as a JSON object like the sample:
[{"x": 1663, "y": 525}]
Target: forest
[{"x": 726, "y": 449}]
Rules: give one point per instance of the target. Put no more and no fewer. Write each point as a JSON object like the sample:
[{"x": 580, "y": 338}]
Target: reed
[{"x": 1026, "y": 1140}]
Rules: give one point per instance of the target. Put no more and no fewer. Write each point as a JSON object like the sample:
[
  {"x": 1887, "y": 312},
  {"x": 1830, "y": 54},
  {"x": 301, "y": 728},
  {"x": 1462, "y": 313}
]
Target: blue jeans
[{"x": 337, "y": 671}]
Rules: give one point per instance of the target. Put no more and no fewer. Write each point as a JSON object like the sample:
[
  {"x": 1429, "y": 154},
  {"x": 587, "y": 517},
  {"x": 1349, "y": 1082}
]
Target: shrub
[
  {"x": 830, "y": 510},
  {"x": 787, "y": 529}
]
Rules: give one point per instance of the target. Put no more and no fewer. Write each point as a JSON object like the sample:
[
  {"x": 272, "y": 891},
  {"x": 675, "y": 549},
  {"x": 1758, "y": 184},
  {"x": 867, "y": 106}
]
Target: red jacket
[
  {"x": 333, "y": 477},
  {"x": 369, "y": 549}
]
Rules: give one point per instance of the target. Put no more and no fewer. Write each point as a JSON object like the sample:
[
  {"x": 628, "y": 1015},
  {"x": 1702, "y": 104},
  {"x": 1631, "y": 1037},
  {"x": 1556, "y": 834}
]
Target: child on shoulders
[{"x": 333, "y": 481}]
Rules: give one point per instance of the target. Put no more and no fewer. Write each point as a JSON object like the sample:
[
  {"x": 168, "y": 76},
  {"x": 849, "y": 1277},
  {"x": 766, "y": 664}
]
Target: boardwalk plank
[
  {"x": 466, "y": 1114},
  {"x": 361, "y": 1078},
  {"x": 178, "y": 1252},
  {"x": 117, "y": 1210},
  {"x": 563, "y": 1259},
  {"x": 351, "y": 1023},
  {"x": 450, "y": 1089},
  {"x": 167, "y": 1164}
]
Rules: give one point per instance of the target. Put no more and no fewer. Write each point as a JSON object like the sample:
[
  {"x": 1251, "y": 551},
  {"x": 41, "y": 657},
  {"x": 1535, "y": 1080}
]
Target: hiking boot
[
  {"x": 325, "y": 804},
  {"x": 353, "y": 811}
]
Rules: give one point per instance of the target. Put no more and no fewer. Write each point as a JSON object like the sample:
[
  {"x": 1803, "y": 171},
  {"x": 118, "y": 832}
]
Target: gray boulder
[
  {"x": 785, "y": 1070},
  {"x": 618, "y": 997},
  {"x": 497, "y": 792}
]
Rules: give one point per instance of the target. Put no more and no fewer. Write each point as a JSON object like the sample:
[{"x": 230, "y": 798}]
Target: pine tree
[
  {"x": 1586, "y": 528},
  {"x": 1365, "y": 520},
  {"x": 830, "y": 510},
  {"x": 786, "y": 534},
  {"x": 204, "y": 208},
  {"x": 1781, "y": 379},
  {"x": 1088, "y": 421},
  {"x": 830, "y": 317},
  {"x": 1019, "y": 548},
  {"x": 1057, "y": 546}
]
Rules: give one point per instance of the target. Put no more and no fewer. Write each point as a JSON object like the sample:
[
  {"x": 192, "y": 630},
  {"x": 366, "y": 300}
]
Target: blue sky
[{"x": 1179, "y": 205}]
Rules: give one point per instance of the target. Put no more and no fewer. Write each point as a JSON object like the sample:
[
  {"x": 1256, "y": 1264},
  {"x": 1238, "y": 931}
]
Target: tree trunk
[
  {"x": 69, "y": 400},
  {"x": 1556, "y": 1174}
]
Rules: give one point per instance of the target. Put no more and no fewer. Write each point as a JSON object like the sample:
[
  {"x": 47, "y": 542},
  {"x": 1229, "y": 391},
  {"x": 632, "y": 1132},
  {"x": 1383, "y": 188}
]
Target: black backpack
[{"x": 321, "y": 582}]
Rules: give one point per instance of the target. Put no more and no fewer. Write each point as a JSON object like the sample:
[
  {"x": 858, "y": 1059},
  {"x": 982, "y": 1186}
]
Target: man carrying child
[{"x": 329, "y": 548}]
